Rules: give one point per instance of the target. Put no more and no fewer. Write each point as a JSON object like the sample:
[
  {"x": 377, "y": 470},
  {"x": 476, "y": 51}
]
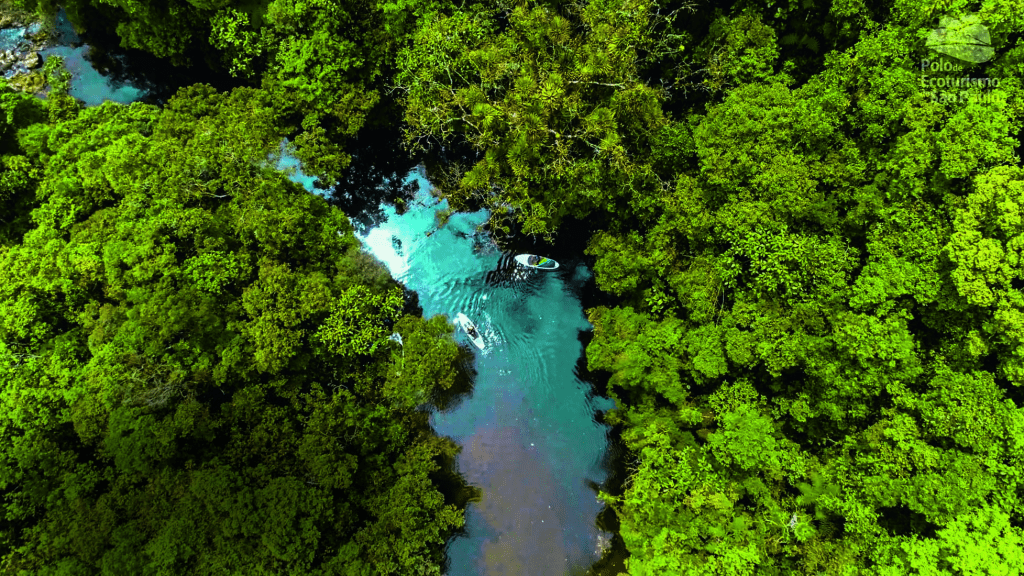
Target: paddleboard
[
  {"x": 466, "y": 325},
  {"x": 544, "y": 264}
]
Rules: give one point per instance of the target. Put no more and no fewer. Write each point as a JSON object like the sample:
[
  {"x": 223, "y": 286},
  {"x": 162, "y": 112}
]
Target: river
[
  {"x": 531, "y": 440},
  {"x": 87, "y": 84}
]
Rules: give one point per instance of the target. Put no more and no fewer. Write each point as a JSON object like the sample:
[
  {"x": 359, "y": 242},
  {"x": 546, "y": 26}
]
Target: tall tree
[{"x": 19, "y": 175}]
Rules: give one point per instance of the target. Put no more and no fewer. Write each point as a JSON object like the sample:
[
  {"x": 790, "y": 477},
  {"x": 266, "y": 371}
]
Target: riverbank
[{"x": 23, "y": 35}]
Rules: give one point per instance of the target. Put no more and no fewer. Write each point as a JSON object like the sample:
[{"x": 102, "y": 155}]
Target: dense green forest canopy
[
  {"x": 198, "y": 376},
  {"x": 814, "y": 238},
  {"x": 817, "y": 354}
]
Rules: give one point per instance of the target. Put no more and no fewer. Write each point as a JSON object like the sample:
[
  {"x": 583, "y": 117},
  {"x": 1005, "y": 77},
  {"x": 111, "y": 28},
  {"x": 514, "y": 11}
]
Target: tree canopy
[
  {"x": 197, "y": 374},
  {"x": 813, "y": 239},
  {"x": 816, "y": 354}
]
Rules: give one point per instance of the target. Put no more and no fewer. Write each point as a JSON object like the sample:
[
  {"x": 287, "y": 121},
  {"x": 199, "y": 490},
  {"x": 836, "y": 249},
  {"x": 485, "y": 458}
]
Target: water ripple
[{"x": 530, "y": 438}]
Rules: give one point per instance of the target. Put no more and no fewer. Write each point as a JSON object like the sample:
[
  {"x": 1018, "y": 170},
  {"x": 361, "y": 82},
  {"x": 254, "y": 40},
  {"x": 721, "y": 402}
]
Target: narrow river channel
[
  {"x": 530, "y": 439},
  {"x": 528, "y": 430}
]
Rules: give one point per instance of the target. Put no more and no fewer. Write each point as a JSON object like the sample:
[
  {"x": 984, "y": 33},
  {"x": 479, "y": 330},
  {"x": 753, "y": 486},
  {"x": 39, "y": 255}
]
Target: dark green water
[{"x": 528, "y": 430}]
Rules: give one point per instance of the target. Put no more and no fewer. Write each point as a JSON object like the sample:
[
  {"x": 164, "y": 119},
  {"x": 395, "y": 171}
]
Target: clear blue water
[
  {"x": 290, "y": 165},
  {"x": 87, "y": 84},
  {"x": 13, "y": 38},
  {"x": 528, "y": 431}
]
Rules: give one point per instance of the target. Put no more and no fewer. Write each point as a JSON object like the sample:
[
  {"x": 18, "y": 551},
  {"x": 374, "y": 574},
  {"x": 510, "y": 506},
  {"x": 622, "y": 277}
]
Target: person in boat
[
  {"x": 471, "y": 330},
  {"x": 533, "y": 260}
]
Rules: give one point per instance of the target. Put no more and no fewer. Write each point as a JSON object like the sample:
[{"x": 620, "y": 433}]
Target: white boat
[
  {"x": 470, "y": 329},
  {"x": 542, "y": 262}
]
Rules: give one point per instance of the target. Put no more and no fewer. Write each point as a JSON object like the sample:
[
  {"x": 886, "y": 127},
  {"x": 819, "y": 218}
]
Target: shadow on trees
[
  {"x": 901, "y": 521},
  {"x": 447, "y": 400},
  {"x": 614, "y": 462}
]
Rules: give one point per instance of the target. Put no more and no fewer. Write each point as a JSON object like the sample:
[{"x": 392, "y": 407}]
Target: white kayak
[
  {"x": 542, "y": 264},
  {"x": 470, "y": 329}
]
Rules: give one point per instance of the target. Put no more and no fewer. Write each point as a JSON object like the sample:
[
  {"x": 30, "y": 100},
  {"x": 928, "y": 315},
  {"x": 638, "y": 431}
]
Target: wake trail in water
[{"x": 509, "y": 273}]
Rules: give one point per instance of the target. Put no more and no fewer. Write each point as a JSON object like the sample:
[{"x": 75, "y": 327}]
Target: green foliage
[
  {"x": 832, "y": 286},
  {"x": 553, "y": 103},
  {"x": 358, "y": 321},
  {"x": 685, "y": 519},
  {"x": 231, "y": 33},
  {"x": 817, "y": 273},
  {"x": 818, "y": 488},
  {"x": 431, "y": 353},
  {"x": 19, "y": 174},
  {"x": 985, "y": 250},
  {"x": 738, "y": 50},
  {"x": 816, "y": 349},
  {"x": 321, "y": 63},
  {"x": 746, "y": 439},
  {"x": 195, "y": 371},
  {"x": 979, "y": 542},
  {"x": 59, "y": 104}
]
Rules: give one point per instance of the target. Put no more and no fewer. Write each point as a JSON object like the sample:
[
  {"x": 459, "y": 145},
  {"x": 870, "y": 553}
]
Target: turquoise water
[
  {"x": 528, "y": 430},
  {"x": 290, "y": 165},
  {"x": 87, "y": 84},
  {"x": 14, "y": 38}
]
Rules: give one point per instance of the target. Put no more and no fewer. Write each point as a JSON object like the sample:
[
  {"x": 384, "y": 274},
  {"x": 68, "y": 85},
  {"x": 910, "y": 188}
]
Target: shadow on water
[
  {"x": 158, "y": 80},
  {"x": 450, "y": 481},
  {"x": 571, "y": 244},
  {"x": 612, "y": 562},
  {"x": 462, "y": 387},
  {"x": 457, "y": 491},
  {"x": 376, "y": 175},
  {"x": 100, "y": 46}
]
